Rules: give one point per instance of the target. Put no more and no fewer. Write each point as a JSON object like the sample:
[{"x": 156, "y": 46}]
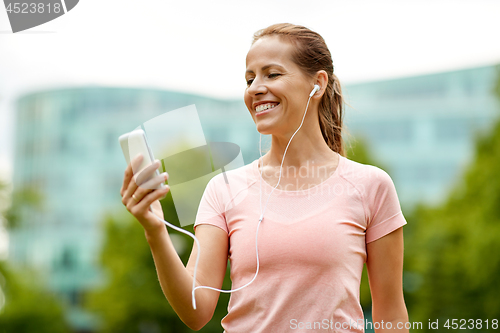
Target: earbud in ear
[{"x": 315, "y": 89}]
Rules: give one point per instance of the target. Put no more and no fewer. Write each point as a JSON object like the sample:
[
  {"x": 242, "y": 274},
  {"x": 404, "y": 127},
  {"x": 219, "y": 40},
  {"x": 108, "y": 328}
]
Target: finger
[
  {"x": 132, "y": 186},
  {"x": 164, "y": 192},
  {"x": 164, "y": 195},
  {"x": 145, "y": 174},
  {"x": 133, "y": 197},
  {"x": 130, "y": 201},
  {"x": 129, "y": 173},
  {"x": 133, "y": 193},
  {"x": 132, "y": 190},
  {"x": 151, "y": 197},
  {"x": 154, "y": 182},
  {"x": 148, "y": 186},
  {"x": 136, "y": 162}
]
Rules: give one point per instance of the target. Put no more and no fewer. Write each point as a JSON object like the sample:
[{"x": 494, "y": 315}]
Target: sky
[{"x": 200, "y": 46}]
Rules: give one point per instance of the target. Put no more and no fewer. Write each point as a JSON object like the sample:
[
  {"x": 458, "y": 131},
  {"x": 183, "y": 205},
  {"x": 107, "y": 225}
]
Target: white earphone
[{"x": 315, "y": 89}]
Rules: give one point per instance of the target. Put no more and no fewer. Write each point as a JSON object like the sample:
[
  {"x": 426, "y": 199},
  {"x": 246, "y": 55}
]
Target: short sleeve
[
  {"x": 210, "y": 210},
  {"x": 383, "y": 207}
]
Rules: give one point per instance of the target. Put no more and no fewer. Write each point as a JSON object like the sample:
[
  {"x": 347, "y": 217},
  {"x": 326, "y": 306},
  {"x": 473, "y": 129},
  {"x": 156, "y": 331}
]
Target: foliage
[
  {"x": 358, "y": 149},
  {"x": 496, "y": 87},
  {"x": 4, "y": 196},
  {"x": 453, "y": 251},
  {"x": 28, "y": 307},
  {"x": 25, "y": 305},
  {"x": 28, "y": 197},
  {"x": 131, "y": 300}
]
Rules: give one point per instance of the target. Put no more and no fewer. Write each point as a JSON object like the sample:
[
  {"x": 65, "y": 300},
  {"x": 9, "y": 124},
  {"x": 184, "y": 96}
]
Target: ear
[{"x": 321, "y": 79}]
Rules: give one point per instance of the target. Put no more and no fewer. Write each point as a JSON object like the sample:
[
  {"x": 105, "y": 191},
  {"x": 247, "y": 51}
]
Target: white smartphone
[{"x": 134, "y": 143}]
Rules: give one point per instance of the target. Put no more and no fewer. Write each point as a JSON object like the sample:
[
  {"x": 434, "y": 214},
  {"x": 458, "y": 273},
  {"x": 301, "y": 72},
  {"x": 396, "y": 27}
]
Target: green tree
[
  {"x": 453, "y": 251},
  {"x": 358, "y": 149},
  {"x": 27, "y": 198},
  {"x": 25, "y": 303},
  {"x": 28, "y": 307}
]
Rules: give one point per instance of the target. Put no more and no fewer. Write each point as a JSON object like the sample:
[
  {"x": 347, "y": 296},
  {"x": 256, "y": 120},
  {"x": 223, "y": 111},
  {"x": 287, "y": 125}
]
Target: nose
[{"x": 257, "y": 87}]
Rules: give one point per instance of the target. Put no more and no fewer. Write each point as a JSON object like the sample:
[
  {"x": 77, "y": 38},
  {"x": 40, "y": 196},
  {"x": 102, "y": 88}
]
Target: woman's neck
[{"x": 303, "y": 150}]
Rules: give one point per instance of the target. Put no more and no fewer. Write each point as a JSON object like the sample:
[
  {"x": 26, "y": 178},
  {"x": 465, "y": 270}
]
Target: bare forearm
[
  {"x": 175, "y": 280},
  {"x": 392, "y": 319}
]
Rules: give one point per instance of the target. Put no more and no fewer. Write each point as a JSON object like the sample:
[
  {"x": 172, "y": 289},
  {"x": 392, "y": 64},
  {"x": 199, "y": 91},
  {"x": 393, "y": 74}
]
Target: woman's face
[{"x": 277, "y": 89}]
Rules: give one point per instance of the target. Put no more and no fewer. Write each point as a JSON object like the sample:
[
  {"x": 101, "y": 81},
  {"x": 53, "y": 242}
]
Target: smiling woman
[
  {"x": 301, "y": 260},
  {"x": 288, "y": 52}
]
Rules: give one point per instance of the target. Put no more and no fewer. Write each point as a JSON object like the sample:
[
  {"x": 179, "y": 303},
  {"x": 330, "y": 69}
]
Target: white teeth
[{"x": 263, "y": 107}]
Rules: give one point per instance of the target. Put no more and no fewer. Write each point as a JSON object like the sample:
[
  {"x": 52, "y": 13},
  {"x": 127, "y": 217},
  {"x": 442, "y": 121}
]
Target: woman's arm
[
  {"x": 176, "y": 280},
  {"x": 385, "y": 274}
]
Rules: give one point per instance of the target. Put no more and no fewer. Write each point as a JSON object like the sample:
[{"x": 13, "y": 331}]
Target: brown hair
[{"x": 312, "y": 55}]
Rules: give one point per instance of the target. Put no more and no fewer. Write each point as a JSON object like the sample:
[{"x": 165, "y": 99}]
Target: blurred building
[
  {"x": 423, "y": 128},
  {"x": 66, "y": 144}
]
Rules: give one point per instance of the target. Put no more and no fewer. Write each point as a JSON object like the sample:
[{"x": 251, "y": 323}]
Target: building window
[
  {"x": 68, "y": 258},
  {"x": 74, "y": 297}
]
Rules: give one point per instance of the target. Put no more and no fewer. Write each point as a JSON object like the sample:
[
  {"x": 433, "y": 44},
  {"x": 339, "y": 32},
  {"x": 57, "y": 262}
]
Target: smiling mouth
[{"x": 266, "y": 106}]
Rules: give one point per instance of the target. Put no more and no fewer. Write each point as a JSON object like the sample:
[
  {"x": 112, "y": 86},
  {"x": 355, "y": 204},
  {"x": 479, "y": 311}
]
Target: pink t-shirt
[{"x": 311, "y": 243}]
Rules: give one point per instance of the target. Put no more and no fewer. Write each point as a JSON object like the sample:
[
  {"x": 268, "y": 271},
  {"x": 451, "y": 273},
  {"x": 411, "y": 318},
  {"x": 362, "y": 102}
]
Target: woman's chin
[{"x": 265, "y": 129}]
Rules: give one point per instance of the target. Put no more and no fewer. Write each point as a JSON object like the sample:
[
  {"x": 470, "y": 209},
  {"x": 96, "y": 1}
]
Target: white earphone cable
[{"x": 193, "y": 299}]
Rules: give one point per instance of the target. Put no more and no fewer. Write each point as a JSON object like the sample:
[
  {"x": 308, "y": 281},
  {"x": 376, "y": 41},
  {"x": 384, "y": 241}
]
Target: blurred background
[{"x": 422, "y": 83}]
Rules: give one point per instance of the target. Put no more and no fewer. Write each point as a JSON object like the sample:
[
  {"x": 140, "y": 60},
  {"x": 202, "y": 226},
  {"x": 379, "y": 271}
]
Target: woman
[{"x": 321, "y": 225}]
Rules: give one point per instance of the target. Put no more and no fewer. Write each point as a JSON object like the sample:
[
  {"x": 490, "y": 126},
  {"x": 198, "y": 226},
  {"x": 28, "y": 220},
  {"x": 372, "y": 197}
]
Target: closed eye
[{"x": 271, "y": 76}]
